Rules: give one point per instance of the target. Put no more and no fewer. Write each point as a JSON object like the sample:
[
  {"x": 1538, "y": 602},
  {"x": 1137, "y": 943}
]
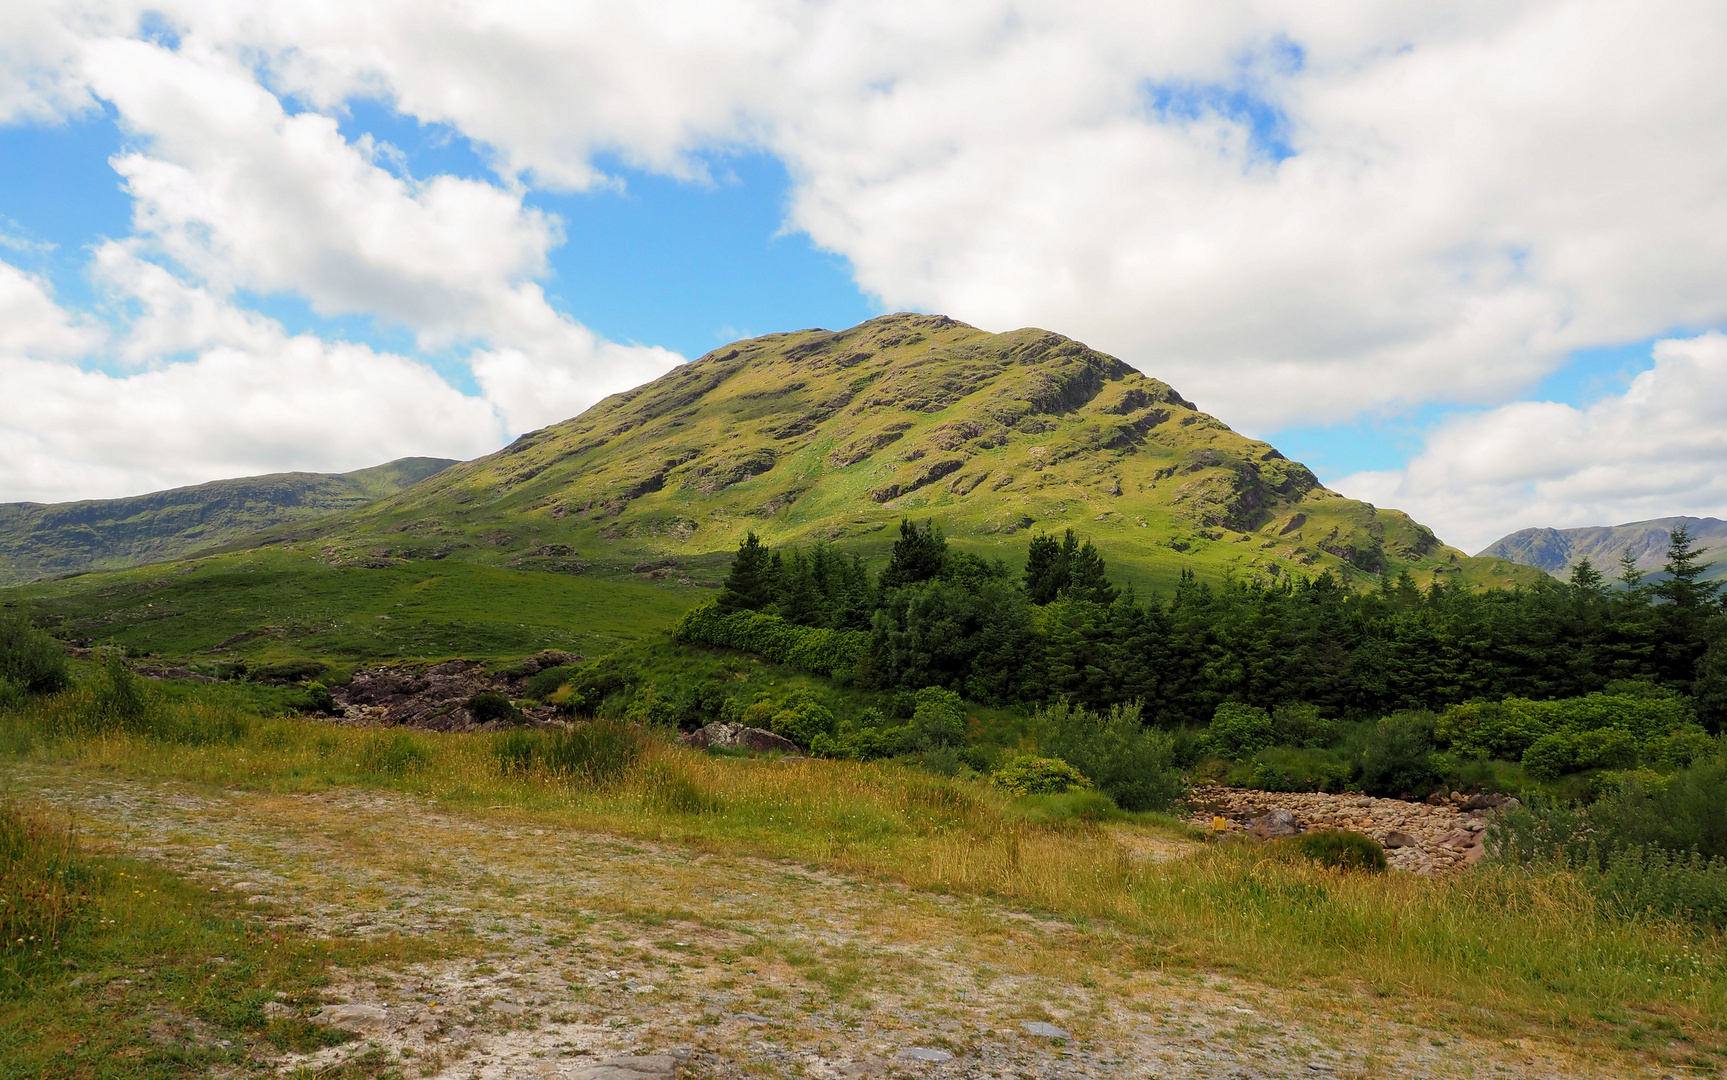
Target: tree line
[{"x": 1059, "y": 629}]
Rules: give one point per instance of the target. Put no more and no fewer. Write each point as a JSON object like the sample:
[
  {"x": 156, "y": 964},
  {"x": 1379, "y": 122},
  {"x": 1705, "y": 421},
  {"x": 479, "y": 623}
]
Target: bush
[
  {"x": 801, "y": 718},
  {"x": 1400, "y": 759},
  {"x": 314, "y": 698},
  {"x": 1340, "y": 848},
  {"x": 1130, "y": 763},
  {"x": 1237, "y": 732},
  {"x": 595, "y": 682},
  {"x": 117, "y": 699},
  {"x": 489, "y": 706},
  {"x": 1550, "y": 757},
  {"x": 651, "y": 708},
  {"x": 1301, "y": 725},
  {"x": 1635, "y": 725},
  {"x": 937, "y": 719},
  {"x": 1039, "y": 776},
  {"x": 288, "y": 671},
  {"x": 30, "y": 658},
  {"x": 1687, "y": 812},
  {"x": 543, "y": 684},
  {"x": 823, "y": 651}
]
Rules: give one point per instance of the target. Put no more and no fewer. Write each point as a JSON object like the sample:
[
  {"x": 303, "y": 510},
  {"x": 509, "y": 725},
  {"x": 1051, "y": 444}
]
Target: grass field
[
  {"x": 1500, "y": 951},
  {"x": 274, "y": 603},
  {"x": 116, "y": 968}
]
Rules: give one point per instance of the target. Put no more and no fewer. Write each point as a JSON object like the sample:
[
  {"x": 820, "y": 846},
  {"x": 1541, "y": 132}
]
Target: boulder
[
  {"x": 726, "y": 734},
  {"x": 1397, "y": 838},
  {"x": 1483, "y": 802},
  {"x": 1279, "y": 822}
]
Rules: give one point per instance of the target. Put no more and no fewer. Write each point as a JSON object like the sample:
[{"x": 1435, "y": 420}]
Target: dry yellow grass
[{"x": 1505, "y": 950}]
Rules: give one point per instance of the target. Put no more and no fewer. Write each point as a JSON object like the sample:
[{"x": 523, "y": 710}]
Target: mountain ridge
[
  {"x": 821, "y": 435},
  {"x": 1556, "y": 551},
  {"x": 46, "y": 539}
]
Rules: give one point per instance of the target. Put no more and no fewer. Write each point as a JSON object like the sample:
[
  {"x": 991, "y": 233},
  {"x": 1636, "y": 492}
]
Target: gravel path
[{"x": 581, "y": 950}]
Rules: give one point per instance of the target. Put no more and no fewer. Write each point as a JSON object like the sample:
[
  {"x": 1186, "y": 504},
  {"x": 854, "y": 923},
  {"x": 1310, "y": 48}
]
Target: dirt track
[{"x": 580, "y": 947}]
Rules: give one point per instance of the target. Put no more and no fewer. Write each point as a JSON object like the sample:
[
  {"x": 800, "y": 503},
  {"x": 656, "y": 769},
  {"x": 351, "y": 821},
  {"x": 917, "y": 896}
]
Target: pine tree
[
  {"x": 917, "y": 555},
  {"x": 749, "y": 586},
  {"x": 1045, "y": 569},
  {"x": 1086, "y": 579},
  {"x": 1586, "y": 581},
  {"x": 1684, "y": 586}
]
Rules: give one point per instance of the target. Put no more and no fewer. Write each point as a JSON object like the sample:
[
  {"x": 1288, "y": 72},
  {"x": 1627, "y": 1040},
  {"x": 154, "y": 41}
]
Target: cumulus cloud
[
  {"x": 252, "y": 399},
  {"x": 1653, "y": 451},
  {"x": 1294, "y": 212}
]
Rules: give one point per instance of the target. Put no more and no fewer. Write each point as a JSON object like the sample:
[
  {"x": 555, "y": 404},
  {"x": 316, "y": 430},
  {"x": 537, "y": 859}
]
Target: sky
[{"x": 1466, "y": 259}]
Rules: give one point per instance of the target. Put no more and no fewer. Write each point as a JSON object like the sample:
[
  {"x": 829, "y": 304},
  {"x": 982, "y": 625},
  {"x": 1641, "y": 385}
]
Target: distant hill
[
  {"x": 1558, "y": 550},
  {"x": 817, "y": 435},
  {"x": 46, "y": 539}
]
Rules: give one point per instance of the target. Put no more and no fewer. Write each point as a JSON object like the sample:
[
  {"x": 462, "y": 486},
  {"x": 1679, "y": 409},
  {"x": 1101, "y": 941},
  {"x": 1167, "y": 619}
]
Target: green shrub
[
  {"x": 1237, "y": 732},
  {"x": 937, "y": 719},
  {"x": 393, "y": 753},
  {"x": 543, "y": 684},
  {"x": 1639, "y": 724},
  {"x": 12, "y": 693},
  {"x": 1400, "y": 760},
  {"x": 1681, "y": 884},
  {"x": 825, "y": 652},
  {"x": 117, "y": 698},
  {"x": 1079, "y": 804},
  {"x": 30, "y": 658},
  {"x": 1686, "y": 811},
  {"x": 489, "y": 706},
  {"x": 1551, "y": 756},
  {"x": 288, "y": 671},
  {"x": 801, "y": 717},
  {"x": 1132, "y": 764},
  {"x": 1039, "y": 776},
  {"x": 649, "y": 707},
  {"x": 314, "y": 698},
  {"x": 596, "y": 681},
  {"x": 1340, "y": 848},
  {"x": 1301, "y": 725}
]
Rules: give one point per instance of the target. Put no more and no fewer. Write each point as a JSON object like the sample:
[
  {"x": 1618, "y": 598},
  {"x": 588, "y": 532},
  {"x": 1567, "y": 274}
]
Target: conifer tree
[
  {"x": 917, "y": 555},
  {"x": 1045, "y": 569},
  {"x": 1086, "y": 579},
  {"x": 1684, "y": 586},
  {"x": 749, "y": 586}
]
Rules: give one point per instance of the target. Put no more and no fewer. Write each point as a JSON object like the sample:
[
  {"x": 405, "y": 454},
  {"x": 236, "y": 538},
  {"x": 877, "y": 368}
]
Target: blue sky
[
  {"x": 239, "y": 237},
  {"x": 684, "y": 264}
]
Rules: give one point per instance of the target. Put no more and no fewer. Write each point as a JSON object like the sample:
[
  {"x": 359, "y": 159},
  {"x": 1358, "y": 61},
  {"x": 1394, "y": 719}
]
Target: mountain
[
  {"x": 1558, "y": 550},
  {"x": 818, "y": 435},
  {"x": 43, "y": 539}
]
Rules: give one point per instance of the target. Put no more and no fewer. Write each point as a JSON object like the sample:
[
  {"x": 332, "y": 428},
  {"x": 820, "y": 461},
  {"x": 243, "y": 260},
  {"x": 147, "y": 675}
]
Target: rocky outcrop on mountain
[{"x": 1558, "y": 550}]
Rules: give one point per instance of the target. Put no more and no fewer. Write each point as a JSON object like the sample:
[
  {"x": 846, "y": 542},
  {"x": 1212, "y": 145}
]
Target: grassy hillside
[
  {"x": 271, "y": 604},
  {"x": 1558, "y": 550},
  {"x": 40, "y": 540},
  {"x": 836, "y": 436}
]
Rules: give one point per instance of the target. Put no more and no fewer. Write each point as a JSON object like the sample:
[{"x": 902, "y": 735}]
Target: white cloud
[
  {"x": 1656, "y": 450},
  {"x": 1475, "y": 190},
  {"x": 253, "y": 399}
]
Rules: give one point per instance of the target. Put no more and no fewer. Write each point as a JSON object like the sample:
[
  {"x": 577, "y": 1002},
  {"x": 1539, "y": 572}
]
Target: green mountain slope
[
  {"x": 43, "y": 539},
  {"x": 836, "y": 436},
  {"x": 1558, "y": 550}
]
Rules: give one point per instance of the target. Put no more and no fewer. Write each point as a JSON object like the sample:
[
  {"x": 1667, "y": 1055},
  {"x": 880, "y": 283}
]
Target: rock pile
[
  {"x": 1442, "y": 835},
  {"x": 434, "y": 698}
]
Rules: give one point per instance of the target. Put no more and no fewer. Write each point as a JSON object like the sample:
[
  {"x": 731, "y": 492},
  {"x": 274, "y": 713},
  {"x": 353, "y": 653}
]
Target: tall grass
[
  {"x": 1531, "y": 945},
  {"x": 45, "y": 886}
]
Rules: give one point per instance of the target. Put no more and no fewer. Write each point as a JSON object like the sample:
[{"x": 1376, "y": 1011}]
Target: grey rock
[
  {"x": 275, "y": 1010},
  {"x": 723, "y": 733},
  {"x": 359, "y": 1018},
  {"x": 1279, "y": 822},
  {"x": 645, "y": 1067},
  {"x": 508, "y": 1008},
  {"x": 924, "y": 1054},
  {"x": 756, "y": 1018},
  {"x": 1043, "y": 1030},
  {"x": 1397, "y": 838}
]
